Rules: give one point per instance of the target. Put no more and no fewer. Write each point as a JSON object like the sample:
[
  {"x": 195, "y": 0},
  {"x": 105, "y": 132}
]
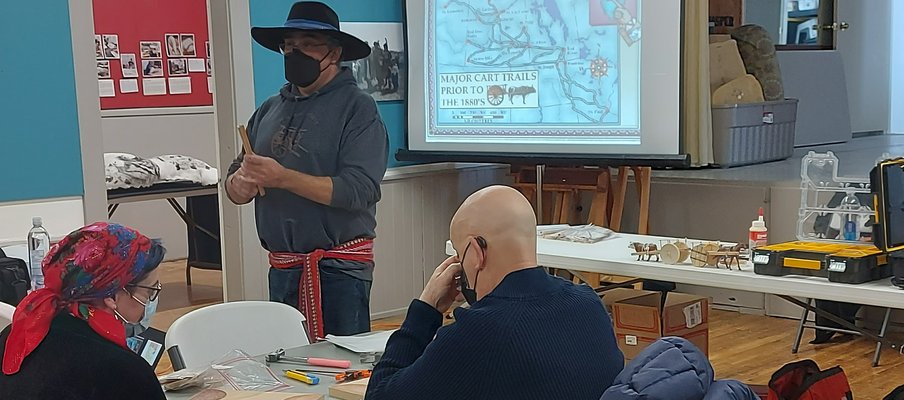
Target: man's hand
[
  {"x": 264, "y": 171},
  {"x": 442, "y": 289},
  {"x": 242, "y": 187}
]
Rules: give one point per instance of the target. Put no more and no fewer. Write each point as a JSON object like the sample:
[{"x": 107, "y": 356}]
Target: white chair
[
  {"x": 6, "y": 315},
  {"x": 255, "y": 327}
]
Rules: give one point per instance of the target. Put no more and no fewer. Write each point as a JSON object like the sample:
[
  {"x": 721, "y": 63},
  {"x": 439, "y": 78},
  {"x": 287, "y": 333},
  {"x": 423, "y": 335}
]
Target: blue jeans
[{"x": 344, "y": 299}]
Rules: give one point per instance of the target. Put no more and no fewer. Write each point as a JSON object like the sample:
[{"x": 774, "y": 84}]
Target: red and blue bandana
[{"x": 88, "y": 265}]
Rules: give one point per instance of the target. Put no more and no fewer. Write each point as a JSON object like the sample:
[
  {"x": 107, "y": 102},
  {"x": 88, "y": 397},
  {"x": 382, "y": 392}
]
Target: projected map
[{"x": 534, "y": 68}]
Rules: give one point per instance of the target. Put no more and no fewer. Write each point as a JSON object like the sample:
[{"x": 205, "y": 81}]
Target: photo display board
[{"x": 152, "y": 53}]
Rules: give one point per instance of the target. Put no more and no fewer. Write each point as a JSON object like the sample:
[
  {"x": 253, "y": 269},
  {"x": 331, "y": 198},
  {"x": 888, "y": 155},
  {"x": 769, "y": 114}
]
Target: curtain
[{"x": 697, "y": 110}]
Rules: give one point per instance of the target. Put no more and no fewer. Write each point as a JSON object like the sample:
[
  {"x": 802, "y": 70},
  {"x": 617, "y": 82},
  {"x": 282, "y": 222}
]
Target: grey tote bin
[{"x": 754, "y": 133}]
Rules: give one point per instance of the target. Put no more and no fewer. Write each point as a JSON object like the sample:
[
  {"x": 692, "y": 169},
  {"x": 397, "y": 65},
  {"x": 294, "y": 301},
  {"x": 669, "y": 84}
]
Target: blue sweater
[{"x": 533, "y": 337}]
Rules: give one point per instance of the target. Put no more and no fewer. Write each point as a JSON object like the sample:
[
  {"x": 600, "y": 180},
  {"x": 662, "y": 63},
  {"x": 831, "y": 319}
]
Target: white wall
[
  {"x": 187, "y": 131},
  {"x": 896, "y": 123},
  {"x": 865, "y": 51},
  {"x": 60, "y": 216}
]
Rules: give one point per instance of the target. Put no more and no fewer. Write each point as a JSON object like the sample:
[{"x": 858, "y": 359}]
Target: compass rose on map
[{"x": 599, "y": 67}]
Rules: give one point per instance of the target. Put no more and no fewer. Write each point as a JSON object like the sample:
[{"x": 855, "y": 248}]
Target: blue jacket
[{"x": 673, "y": 368}]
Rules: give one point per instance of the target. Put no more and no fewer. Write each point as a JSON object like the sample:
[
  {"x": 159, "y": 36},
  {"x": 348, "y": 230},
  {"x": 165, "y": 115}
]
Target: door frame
[{"x": 244, "y": 265}]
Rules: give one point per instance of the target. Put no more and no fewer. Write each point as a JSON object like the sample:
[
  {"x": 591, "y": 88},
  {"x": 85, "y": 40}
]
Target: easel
[{"x": 563, "y": 186}]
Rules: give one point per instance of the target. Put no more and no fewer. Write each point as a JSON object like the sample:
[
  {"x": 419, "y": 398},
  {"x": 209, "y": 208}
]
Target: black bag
[
  {"x": 14, "y": 279},
  {"x": 897, "y": 394}
]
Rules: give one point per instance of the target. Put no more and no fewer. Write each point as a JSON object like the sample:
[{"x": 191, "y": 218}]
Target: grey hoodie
[{"x": 335, "y": 132}]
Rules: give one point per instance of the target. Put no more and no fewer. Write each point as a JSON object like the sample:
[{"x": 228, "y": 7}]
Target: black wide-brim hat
[{"x": 312, "y": 16}]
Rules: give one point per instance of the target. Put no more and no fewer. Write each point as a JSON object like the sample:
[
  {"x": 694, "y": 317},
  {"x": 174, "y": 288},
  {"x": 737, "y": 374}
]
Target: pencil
[{"x": 246, "y": 145}]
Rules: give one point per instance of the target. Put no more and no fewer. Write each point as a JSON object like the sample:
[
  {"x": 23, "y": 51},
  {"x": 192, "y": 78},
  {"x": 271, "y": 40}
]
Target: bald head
[
  {"x": 506, "y": 220},
  {"x": 496, "y": 212}
]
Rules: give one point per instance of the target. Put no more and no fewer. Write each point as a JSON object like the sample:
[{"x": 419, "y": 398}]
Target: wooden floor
[{"x": 743, "y": 347}]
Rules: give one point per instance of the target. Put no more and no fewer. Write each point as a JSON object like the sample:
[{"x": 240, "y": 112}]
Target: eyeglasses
[
  {"x": 288, "y": 47},
  {"x": 154, "y": 290}
]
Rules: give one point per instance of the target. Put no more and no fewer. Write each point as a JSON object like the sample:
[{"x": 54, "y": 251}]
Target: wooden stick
[{"x": 246, "y": 145}]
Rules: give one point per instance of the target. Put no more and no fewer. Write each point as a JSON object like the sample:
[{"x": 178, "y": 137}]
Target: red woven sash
[{"x": 360, "y": 250}]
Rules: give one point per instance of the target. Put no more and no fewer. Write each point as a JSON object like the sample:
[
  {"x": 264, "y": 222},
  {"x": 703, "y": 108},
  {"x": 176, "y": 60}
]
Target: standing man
[{"x": 320, "y": 155}]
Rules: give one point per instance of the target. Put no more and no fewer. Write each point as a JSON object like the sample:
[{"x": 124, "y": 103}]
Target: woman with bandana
[{"x": 68, "y": 340}]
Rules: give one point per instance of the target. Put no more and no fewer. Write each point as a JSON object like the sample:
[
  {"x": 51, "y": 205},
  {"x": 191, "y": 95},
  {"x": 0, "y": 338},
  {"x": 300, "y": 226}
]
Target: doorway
[{"x": 796, "y": 24}]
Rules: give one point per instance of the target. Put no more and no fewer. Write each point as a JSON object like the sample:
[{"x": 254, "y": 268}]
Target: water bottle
[
  {"x": 850, "y": 227},
  {"x": 38, "y": 245}
]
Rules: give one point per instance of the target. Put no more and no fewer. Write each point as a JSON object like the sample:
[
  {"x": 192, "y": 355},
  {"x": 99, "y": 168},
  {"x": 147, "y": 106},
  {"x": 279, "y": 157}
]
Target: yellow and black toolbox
[
  {"x": 846, "y": 263},
  {"x": 887, "y": 181}
]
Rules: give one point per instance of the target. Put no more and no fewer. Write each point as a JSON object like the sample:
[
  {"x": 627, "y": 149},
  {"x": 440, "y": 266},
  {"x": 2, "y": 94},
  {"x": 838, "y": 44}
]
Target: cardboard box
[
  {"x": 640, "y": 318},
  {"x": 612, "y": 296},
  {"x": 616, "y": 279}
]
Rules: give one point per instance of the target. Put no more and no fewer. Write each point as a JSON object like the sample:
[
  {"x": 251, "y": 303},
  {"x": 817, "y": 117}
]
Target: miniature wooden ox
[
  {"x": 730, "y": 254},
  {"x": 644, "y": 251}
]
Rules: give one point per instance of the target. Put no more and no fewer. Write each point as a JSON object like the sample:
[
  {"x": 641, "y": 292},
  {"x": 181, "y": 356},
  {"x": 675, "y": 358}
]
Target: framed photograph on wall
[
  {"x": 129, "y": 66},
  {"x": 103, "y": 69},
  {"x": 178, "y": 67},
  {"x": 151, "y": 68},
  {"x": 151, "y": 50},
  {"x": 173, "y": 45},
  {"x": 383, "y": 74},
  {"x": 98, "y": 47},
  {"x": 111, "y": 47},
  {"x": 187, "y": 41}
]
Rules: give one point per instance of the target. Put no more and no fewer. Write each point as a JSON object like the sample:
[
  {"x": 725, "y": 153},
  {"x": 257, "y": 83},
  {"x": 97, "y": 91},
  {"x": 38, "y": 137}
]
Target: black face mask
[
  {"x": 302, "y": 70},
  {"x": 468, "y": 293}
]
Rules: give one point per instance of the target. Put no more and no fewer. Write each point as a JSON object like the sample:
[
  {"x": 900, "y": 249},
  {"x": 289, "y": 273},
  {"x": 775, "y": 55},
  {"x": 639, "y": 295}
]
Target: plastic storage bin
[
  {"x": 822, "y": 248},
  {"x": 754, "y": 133}
]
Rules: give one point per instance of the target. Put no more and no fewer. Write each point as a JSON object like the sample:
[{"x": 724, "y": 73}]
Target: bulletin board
[{"x": 134, "y": 72}]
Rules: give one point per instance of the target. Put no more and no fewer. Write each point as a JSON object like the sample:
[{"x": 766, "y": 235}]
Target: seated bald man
[{"x": 527, "y": 334}]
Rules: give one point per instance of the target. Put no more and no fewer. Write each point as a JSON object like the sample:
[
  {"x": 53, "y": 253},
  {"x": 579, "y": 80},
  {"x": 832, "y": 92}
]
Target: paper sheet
[
  {"x": 693, "y": 315},
  {"x": 374, "y": 342},
  {"x": 154, "y": 86},
  {"x": 580, "y": 234},
  {"x": 106, "y": 88},
  {"x": 128, "y": 86},
  {"x": 197, "y": 65},
  {"x": 226, "y": 394},
  {"x": 180, "y": 85}
]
